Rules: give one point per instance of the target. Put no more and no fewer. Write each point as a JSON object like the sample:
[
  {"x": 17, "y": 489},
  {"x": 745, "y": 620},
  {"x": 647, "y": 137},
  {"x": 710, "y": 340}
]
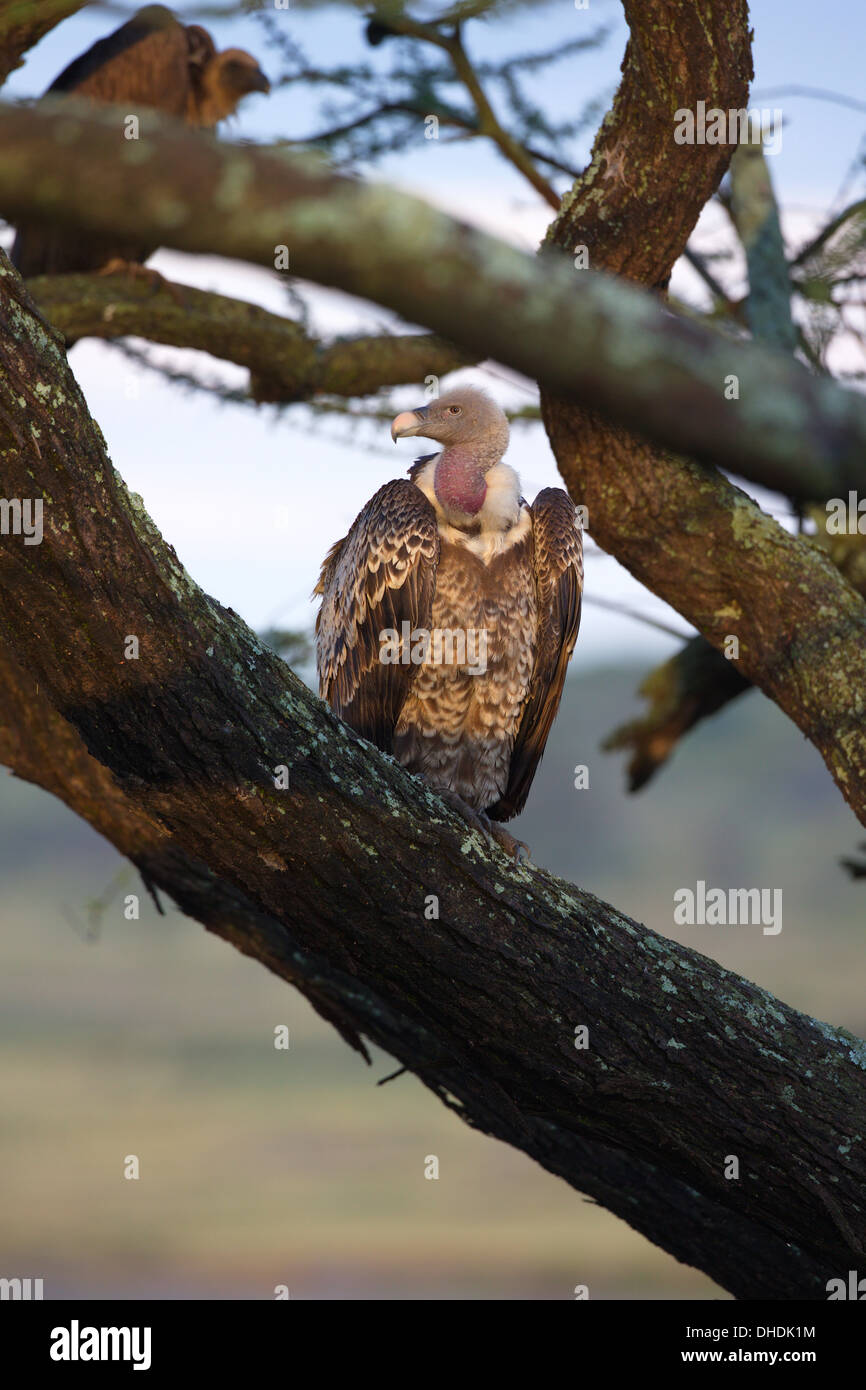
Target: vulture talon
[
  {"x": 518, "y": 849},
  {"x": 514, "y": 848},
  {"x": 488, "y": 829}
]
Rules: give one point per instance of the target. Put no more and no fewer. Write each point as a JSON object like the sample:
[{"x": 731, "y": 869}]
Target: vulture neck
[
  {"x": 498, "y": 522},
  {"x": 460, "y": 476},
  {"x": 212, "y": 102},
  {"x": 458, "y": 481}
]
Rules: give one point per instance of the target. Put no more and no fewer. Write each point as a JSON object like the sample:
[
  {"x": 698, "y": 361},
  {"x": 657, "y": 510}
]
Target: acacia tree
[{"x": 173, "y": 756}]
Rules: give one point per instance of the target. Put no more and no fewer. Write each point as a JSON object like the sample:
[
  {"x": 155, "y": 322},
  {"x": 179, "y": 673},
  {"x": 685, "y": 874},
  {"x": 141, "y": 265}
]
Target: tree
[{"x": 172, "y": 754}]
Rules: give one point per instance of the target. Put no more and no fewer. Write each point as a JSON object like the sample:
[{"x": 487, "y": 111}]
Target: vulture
[
  {"x": 449, "y": 612},
  {"x": 153, "y": 61}
]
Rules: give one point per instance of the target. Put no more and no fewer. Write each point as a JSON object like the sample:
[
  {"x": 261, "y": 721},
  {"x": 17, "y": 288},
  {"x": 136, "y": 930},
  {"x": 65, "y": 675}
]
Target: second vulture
[
  {"x": 152, "y": 62},
  {"x": 449, "y": 613}
]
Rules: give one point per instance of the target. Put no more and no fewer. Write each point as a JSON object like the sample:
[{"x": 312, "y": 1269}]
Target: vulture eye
[{"x": 454, "y": 409}]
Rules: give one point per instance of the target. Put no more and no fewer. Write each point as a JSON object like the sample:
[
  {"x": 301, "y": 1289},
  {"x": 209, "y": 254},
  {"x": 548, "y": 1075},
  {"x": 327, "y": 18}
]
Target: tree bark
[
  {"x": 330, "y": 882},
  {"x": 691, "y": 537},
  {"x": 285, "y": 363},
  {"x": 24, "y": 22}
]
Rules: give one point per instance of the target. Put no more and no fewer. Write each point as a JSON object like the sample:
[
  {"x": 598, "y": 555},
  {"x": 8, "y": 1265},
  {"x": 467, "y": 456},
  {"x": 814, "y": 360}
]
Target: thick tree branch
[
  {"x": 693, "y": 685},
  {"x": 686, "y": 1065},
  {"x": 693, "y": 538},
  {"x": 592, "y": 340},
  {"x": 285, "y": 363},
  {"x": 44, "y": 749},
  {"x": 755, "y": 214},
  {"x": 698, "y": 682},
  {"x": 24, "y": 22}
]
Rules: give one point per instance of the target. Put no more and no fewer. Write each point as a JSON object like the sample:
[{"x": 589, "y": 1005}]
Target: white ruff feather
[{"x": 502, "y": 520}]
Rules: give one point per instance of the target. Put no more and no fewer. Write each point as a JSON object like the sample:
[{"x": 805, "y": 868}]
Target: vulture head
[
  {"x": 223, "y": 82},
  {"x": 465, "y": 417},
  {"x": 473, "y": 432}
]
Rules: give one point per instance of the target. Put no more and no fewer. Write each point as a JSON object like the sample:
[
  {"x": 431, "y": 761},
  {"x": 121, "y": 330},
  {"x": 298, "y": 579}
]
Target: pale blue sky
[{"x": 251, "y": 502}]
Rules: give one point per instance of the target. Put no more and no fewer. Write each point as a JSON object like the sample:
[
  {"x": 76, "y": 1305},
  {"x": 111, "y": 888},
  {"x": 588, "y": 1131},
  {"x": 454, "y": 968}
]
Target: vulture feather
[
  {"x": 457, "y": 554},
  {"x": 151, "y": 62}
]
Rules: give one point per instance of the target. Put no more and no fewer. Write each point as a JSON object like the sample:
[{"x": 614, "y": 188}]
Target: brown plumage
[
  {"x": 455, "y": 550},
  {"x": 151, "y": 62}
]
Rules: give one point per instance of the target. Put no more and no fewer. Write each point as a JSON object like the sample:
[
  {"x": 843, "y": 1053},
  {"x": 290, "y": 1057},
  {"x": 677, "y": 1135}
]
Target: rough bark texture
[
  {"x": 328, "y": 882},
  {"x": 285, "y": 363},
  {"x": 699, "y": 681},
  {"x": 693, "y": 538},
  {"x": 172, "y": 755},
  {"x": 24, "y": 22},
  {"x": 636, "y": 204}
]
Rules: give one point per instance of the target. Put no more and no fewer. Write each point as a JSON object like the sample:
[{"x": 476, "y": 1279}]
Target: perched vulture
[
  {"x": 495, "y": 584},
  {"x": 153, "y": 61}
]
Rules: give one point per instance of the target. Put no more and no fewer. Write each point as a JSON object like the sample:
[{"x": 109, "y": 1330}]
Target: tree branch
[
  {"x": 693, "y": 685},
  {"x": 490, "y": 125},
  {"x": 574, "y": 330},
  {"x": 856, "y": 211},
  {"x": 698, "y": 682},
  {"x": 686, "y": 1064},
  {"x": 755, "y": 215},
  {"x": 693, "y": 538},
  {"x": 24, "y": 22},
  {"x": 285, "y": 363}
]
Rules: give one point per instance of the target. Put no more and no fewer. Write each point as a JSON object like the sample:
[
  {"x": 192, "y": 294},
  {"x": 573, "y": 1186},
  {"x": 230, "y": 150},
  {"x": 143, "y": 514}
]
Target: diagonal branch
[
  {"x": 575, "y": 330},
  {"x": 692, "y": 685},
  {"x": 331, "y": 882},
  {"x": 856, "y": 213},
  {"x": 24, "y": 22},
  {"x": 285, "y": 363},
  {"x": 693, "y": 538},
  {"x": 698, "y": 681}
]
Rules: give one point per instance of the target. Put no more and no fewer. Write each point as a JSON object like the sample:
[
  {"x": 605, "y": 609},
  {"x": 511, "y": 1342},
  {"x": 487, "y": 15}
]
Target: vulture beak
[
  {"x": 408, "y": 422},
  {"x": 258, "y": 81}
]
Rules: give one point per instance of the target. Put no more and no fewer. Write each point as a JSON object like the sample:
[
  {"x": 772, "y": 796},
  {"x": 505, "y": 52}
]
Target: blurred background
[{"x": 262, "y": 1167}]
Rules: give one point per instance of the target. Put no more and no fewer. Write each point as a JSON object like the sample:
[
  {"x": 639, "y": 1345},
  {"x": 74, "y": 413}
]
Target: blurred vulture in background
[{"x": 153, "y": 61}]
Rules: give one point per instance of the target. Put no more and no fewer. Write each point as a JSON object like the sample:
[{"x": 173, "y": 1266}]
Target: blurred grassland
[{"x": 263, "y": 1167}]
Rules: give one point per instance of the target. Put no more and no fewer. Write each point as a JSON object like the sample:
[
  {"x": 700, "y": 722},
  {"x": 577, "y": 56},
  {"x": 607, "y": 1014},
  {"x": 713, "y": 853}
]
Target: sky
[{"x": 251, "y": 499}]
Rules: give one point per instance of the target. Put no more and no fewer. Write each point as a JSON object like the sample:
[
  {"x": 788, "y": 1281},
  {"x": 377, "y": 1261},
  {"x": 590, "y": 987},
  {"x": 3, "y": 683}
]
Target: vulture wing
[
  {"x": 558, "y": 549},
  {"x": 143, "y": 63},
  {"x": 147, "y": 62},
  {"x": 380, "y": 576}
]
